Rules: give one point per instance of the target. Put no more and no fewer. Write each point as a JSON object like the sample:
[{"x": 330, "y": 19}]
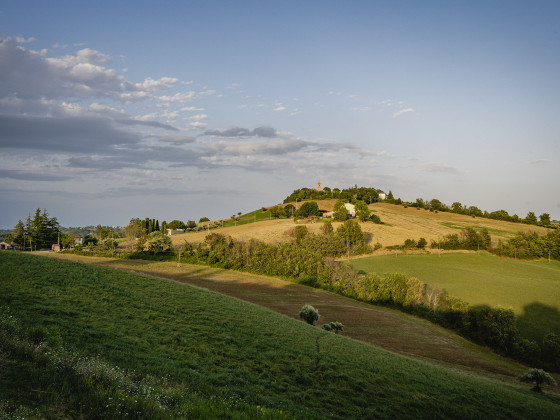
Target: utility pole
[{"x": 179, "y": 261}]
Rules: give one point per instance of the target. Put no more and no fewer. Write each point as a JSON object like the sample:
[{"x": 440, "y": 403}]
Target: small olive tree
[
  {"x": 309, "y": 314},
  {"x": 539, "y": 377}
]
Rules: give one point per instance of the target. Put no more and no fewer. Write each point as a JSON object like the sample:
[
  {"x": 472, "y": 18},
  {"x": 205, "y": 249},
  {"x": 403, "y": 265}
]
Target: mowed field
[
  {"x": 399, "y": 224},
  {"x": 530, "y": 288}
]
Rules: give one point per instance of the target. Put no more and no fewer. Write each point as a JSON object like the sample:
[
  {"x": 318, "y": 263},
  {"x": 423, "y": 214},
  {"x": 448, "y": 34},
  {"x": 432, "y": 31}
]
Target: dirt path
[{"x": 382, "y": 327}]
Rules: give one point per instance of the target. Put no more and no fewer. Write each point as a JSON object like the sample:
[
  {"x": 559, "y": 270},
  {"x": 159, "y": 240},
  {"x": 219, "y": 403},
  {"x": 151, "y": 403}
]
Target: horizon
[{"x": 182, "y": 111}]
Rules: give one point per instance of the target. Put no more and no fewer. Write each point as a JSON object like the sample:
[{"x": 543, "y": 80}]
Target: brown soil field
[
  {"x": 382, "y": 327},
  {"x": 399, "y": 224}
]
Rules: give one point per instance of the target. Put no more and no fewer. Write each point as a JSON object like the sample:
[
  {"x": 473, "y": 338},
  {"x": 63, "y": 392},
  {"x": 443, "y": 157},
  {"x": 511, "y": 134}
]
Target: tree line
[
  {"x": 352, "y": 194},
  {"x": 458, "y": 208}
]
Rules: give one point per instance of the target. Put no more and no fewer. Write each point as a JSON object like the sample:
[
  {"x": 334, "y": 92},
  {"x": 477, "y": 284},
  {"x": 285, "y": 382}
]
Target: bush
[
  {"x": 309, "y": 314},
  {"x": 334, "y": 326}
]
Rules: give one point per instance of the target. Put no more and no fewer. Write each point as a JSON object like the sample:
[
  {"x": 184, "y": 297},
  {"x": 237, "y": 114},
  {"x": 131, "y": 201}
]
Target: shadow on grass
[{"x": 537, "y": 320}]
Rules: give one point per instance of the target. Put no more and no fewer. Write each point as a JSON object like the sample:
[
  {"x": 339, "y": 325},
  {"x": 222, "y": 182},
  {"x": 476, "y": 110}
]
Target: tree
[
  {"x": 327, "y": 229},
  {"x": 277, "y": 212},
  {"x": 110, "y": 244},
  {"x": 187, "y": 249},
  {"x": 340, "y": 213},
  {"x": 290, "y": 209},
  {"x": 531, "y": 219},
  {"x": 351, "y": 232},
  {"x": 539, "y": 377},
  {"x": 390, "y": 195},
  {"x": 362, "y": 211},
  {"x": 203, "y": 219},
  {"x": 158, "y": 242},
  {"x": 307, "y": 209},
  {"x": 133, "y": 228},
  {"x": 191, "y": 224},
  {"x": 457, "y": 207},
  {"x": 176, "y": 224},
  {"x": 42, "y": 229},
  {"x": 300, "y": 232},
  {"x": 309, "y": 314},
  {"x": 18, "y": 232},
  {"x": 545, "y": 219},
  {"x": 67, "y": 241}
]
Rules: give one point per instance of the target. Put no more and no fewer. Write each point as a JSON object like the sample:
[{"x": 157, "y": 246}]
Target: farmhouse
[
  {"x": 8, "y": 245},
  {"x": 382, "y": 195},
  {"x": 351, "y": 209}
]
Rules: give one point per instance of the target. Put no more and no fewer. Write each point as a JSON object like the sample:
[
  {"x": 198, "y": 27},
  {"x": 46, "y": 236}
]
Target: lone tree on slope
[
  {"x": 538, "y": 376},
  {"x": 309, "y": 314}
]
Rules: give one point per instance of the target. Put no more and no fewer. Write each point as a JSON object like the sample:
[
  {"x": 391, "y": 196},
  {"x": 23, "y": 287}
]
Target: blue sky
[{"x": 179, "y": 110}]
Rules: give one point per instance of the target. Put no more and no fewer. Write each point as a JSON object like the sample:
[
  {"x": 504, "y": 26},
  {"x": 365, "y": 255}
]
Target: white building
[
  {"x": 170, "y": 232},
  {"x": 382, "y": 195},
  {"x": 351, "y": 209}
]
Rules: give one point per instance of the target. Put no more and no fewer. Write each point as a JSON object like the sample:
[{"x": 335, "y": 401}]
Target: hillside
[
  {"x": 399, "y": 224},
  {"x": 147, "y": 347}
]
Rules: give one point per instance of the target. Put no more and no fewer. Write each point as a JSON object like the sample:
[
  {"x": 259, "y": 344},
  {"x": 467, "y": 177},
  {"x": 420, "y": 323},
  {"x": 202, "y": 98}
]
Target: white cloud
[
  {"x": 279, "y": 109},
  {"x": 198, "y": 117},
  {"x": 22, "y": 40},
  {"x": 402, "y": 112},
  {"x": 178, "y": 97}
]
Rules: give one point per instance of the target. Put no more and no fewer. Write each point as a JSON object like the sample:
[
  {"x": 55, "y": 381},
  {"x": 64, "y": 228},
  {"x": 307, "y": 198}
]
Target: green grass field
[
  {"x": 530, "y": 288},
  {"x": 150, "y": 348}
]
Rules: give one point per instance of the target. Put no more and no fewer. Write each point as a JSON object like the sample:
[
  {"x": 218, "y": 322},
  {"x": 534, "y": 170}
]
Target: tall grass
[{"x": 152, "y": 348}]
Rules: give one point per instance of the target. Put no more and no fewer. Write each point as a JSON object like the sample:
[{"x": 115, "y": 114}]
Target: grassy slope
[
  {"x": 214, "y": 347},
  {"x": 530, "y": 288},
  {"x": 399, "y": 224}
]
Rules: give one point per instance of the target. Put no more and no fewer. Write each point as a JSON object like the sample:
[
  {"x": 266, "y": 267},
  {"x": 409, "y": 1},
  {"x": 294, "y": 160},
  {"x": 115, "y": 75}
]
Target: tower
[{"x": 319, "y": 186}]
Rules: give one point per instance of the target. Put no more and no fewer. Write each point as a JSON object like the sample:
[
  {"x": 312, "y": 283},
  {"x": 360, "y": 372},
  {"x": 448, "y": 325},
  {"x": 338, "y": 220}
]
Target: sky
[{"x": 181, "y": 110}]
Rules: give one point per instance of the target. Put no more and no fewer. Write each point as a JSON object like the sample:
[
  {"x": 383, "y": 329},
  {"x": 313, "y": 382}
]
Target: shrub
[
  {"x": 334, "y": 326},
  {"x": 309, "y": 314}
]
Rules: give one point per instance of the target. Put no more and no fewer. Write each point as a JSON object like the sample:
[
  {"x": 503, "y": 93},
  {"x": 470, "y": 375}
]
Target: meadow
[
  {"x": 143, "y": 347},
  {"x": 530, "y": 288}
]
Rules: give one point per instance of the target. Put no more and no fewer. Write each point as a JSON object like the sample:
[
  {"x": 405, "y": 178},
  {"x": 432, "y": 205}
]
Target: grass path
[{"x": 382, "y": 327}]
